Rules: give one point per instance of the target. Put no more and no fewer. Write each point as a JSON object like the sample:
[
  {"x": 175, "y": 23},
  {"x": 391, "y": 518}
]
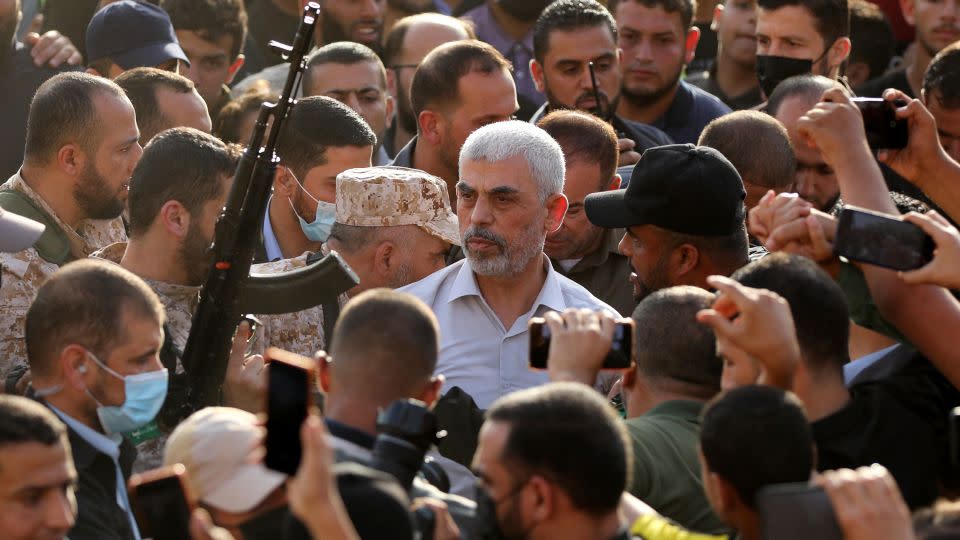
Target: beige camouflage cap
[{"x": 391, "y": 196}]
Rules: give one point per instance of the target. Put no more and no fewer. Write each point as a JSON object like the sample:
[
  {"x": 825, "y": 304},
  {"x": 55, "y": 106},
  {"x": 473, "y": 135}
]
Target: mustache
[{"x": 484, "y": 234}]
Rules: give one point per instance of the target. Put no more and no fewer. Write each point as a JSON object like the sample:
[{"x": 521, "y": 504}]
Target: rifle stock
[{"x": 207, "y": 351}]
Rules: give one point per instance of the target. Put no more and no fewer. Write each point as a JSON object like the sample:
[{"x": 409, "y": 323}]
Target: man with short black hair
[
  {"x": 163, "y": 100},
  {"x": 580, "y": 250},
  {"x": 38, "y": 480},
  {"x": 212, "y": 35},
  {"x": 529, "y": 489},
  {"x": 104, "y": 381},
  {"x": 568, "y": 36},
  {"x": 796, "y": 37},
  {"x": 459, "y": 87},
  {"x": 353, "y": 74},
  {"x": 897, "y": 422},
  {"x": 871, "y": 43},
  {"x": 407, "y": 44},
  {"x": 80, "y": 153},
  {"x": 751, "y": 438},
  {"x": 684, "y": 215},
  {"x": 658, "y": 40},
  {"x": 941, "y": 95},
  {"x": 936, "y": 25},
  {"x": 321, "y": 138},
  {"x": 732, "y": 75},
  {"x": 128, "y": 34},
  {"x": 759, "y": 147}
]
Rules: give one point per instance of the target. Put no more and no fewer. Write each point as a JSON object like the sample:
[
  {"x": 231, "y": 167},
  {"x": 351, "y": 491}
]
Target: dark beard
[
  {"x": 608, "y": 107},
  {"x": 95, "y": 197},
  {"x": 195, "y": 256},
  {"x": 642, "y": 99}
]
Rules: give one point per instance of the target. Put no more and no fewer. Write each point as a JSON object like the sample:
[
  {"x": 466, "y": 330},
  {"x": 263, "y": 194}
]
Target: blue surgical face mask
[
  {"x": 145, "y": 393},
  {"x": 319, "y": 229}
]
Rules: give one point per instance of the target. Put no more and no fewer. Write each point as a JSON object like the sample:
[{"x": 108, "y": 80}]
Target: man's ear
[
  {"x": 326, "y": 367},
  {"x": 541, "y": 499},
  {"x": 392, "y": 82},
  {"x": 727, "y": 497},
  {"x": 383, "y": 259},
  {"x": 536, "y": 71},
  {"x": 431, "y": 126},
  {"x": 693, "y": 37},
  {"x": 391, "y": 106},
  {"x": 839, "y": 51},
  {"x": 73, "y": 365},
  {"x": 908, "y": 8},
  {"x": 284, "y": 183},
  {"x": 234, "y": 68},
  {"x": 175, "y": 218},
  {"x": 430, "y": 392},
  {"x": 684, "y": 260},
  {"x": 629, "y": 379},
  {"x": 71, "y": 159},
  {"x": 717, "y": 13},
  {"x": 557, "y": 205}
]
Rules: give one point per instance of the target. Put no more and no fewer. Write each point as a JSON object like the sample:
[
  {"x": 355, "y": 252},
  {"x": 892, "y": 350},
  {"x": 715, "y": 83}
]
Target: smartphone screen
[
  {"x": 620, "y": 355},
  {"x": 796, "y": 512},
  {"x": 160, "y": 503},
  {"x": 881, "y": 125},
  {"x": 288, "y": 400},
  {"x": 882, "y": 240}
]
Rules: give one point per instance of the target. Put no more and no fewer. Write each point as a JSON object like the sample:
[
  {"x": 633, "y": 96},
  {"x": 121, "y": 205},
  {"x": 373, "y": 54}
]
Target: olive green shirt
[
  {"x": 605, "y": 273},
  {"x": 666, "y": 469}
]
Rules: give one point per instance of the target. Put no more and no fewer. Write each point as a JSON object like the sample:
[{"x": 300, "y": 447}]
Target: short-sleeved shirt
[
  {"x": 692, "y": 109},
  {"x": 666, "y": 469},
  {"x": 477, "y": 353}
]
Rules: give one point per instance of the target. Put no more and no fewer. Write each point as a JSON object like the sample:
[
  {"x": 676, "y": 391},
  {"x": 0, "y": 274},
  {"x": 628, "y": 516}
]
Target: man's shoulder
[
  {"x": 577, "y": 296},
  {"x": 706, "y": 103}
]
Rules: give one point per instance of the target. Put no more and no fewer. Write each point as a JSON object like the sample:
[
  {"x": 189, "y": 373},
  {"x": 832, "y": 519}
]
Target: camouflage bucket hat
[{"x": 391, "y": 196}]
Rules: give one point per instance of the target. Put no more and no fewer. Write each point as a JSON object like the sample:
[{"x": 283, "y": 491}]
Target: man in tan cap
[
  {"x": 214, "y": 444},
  {"x": 394, "y": 225}
]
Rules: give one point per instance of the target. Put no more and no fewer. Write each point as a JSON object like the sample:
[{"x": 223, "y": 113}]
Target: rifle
[{"x": 223, "y": 297}]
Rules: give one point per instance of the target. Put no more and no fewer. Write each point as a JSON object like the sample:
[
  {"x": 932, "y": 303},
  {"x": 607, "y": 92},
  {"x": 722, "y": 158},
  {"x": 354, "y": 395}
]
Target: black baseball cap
[
  {"x": 679, "y": 187},
  {"x": 133, "y": 34}
]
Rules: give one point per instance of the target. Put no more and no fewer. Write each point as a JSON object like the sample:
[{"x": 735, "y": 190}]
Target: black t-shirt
[
  {"x": 894, "y": 79},
  {"x": 899, "y": 422}
]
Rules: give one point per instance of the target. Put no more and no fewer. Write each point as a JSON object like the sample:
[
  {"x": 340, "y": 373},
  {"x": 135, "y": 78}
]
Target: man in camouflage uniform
[
  {"x": 80, "y": 152},
  {"x": 394, "y": 226},
  {"x": 176, "y": 194}
]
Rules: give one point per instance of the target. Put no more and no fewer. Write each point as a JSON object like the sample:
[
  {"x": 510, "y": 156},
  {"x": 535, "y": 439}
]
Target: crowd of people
[{"x": 670, "y": 177}]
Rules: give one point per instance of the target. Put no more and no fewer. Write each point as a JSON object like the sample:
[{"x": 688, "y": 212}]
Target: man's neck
[
  {"x": 733, "y": 78},
  {"x": 427, "y": 159},
  {"x": 644, "y": 402},
  {"x": 54, "y": 191},
  {"x": 916, "y": 69},
  {"x": 512, "y": 296},
  {"x": 69, "y": 407},
  {"x": 576, "y": 525},
  {"x": 510, "y": 25},
  {"x": 154, "y": 258},
  {"x": 359, "y": 414},
  {"x": 647, "y": 112},
  {"x": 821, "y": 395},
  {"x": 286, "y": 229}
]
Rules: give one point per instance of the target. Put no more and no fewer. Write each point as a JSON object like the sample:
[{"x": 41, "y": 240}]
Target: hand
[
  {"x": 244, "y": 383},
  {"x": 923, "y": 144},
  {"x": 944, "y": 269},
  {"x": 312, "y": 493},
  {"x": 811, "y": 236},
  {"x": 579, "y": 342},
  {"x": 835, "y": 127},
  {"x": 628, "y": 156},
  {"x": 444, "y": 528},
  {"x": 762, "y": 331},
  {"x": 52, "y": 48},
  {"x": 202, "y": 527},
  {"x": 774, "y": 209},
  {"x": 867, "y": 503}
]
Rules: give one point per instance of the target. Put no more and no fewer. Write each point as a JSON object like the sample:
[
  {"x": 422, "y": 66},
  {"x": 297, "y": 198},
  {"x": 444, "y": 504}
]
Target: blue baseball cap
[{"x": 133, "y": 34}]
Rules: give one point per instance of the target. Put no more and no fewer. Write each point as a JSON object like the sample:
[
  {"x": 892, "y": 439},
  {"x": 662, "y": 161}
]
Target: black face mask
[
  {"x": 266, "y": 526},
  {"x": 524, "y": 10},
  {"x": 772, "y": 70}
]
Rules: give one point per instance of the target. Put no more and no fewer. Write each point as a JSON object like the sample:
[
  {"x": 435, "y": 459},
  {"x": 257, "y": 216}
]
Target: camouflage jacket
[{"x": 24, "y": 272}]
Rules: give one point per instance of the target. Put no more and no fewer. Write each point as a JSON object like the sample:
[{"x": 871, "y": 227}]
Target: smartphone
[
  {"x": 162, "y": 503},
  {"x": 619, "y": 357},
  {"x": 796, "y": 512},
  {"x": 882, "y": 240},
  {"x": 289, "y": 379},
  {"x": 883, "y": 128}
]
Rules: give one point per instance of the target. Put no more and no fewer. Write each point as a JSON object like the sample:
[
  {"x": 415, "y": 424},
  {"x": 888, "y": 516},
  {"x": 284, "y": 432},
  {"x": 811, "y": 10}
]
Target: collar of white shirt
[{"x": 551, "y": 294}]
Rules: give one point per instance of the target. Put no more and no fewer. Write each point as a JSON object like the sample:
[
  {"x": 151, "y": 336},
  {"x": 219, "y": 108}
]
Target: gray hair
[{"x": 501, "y": 141}]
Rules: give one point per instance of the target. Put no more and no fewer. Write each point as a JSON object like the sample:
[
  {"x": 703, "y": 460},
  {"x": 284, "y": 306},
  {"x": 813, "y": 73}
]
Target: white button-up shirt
[{"x": 477, "y": 353}]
